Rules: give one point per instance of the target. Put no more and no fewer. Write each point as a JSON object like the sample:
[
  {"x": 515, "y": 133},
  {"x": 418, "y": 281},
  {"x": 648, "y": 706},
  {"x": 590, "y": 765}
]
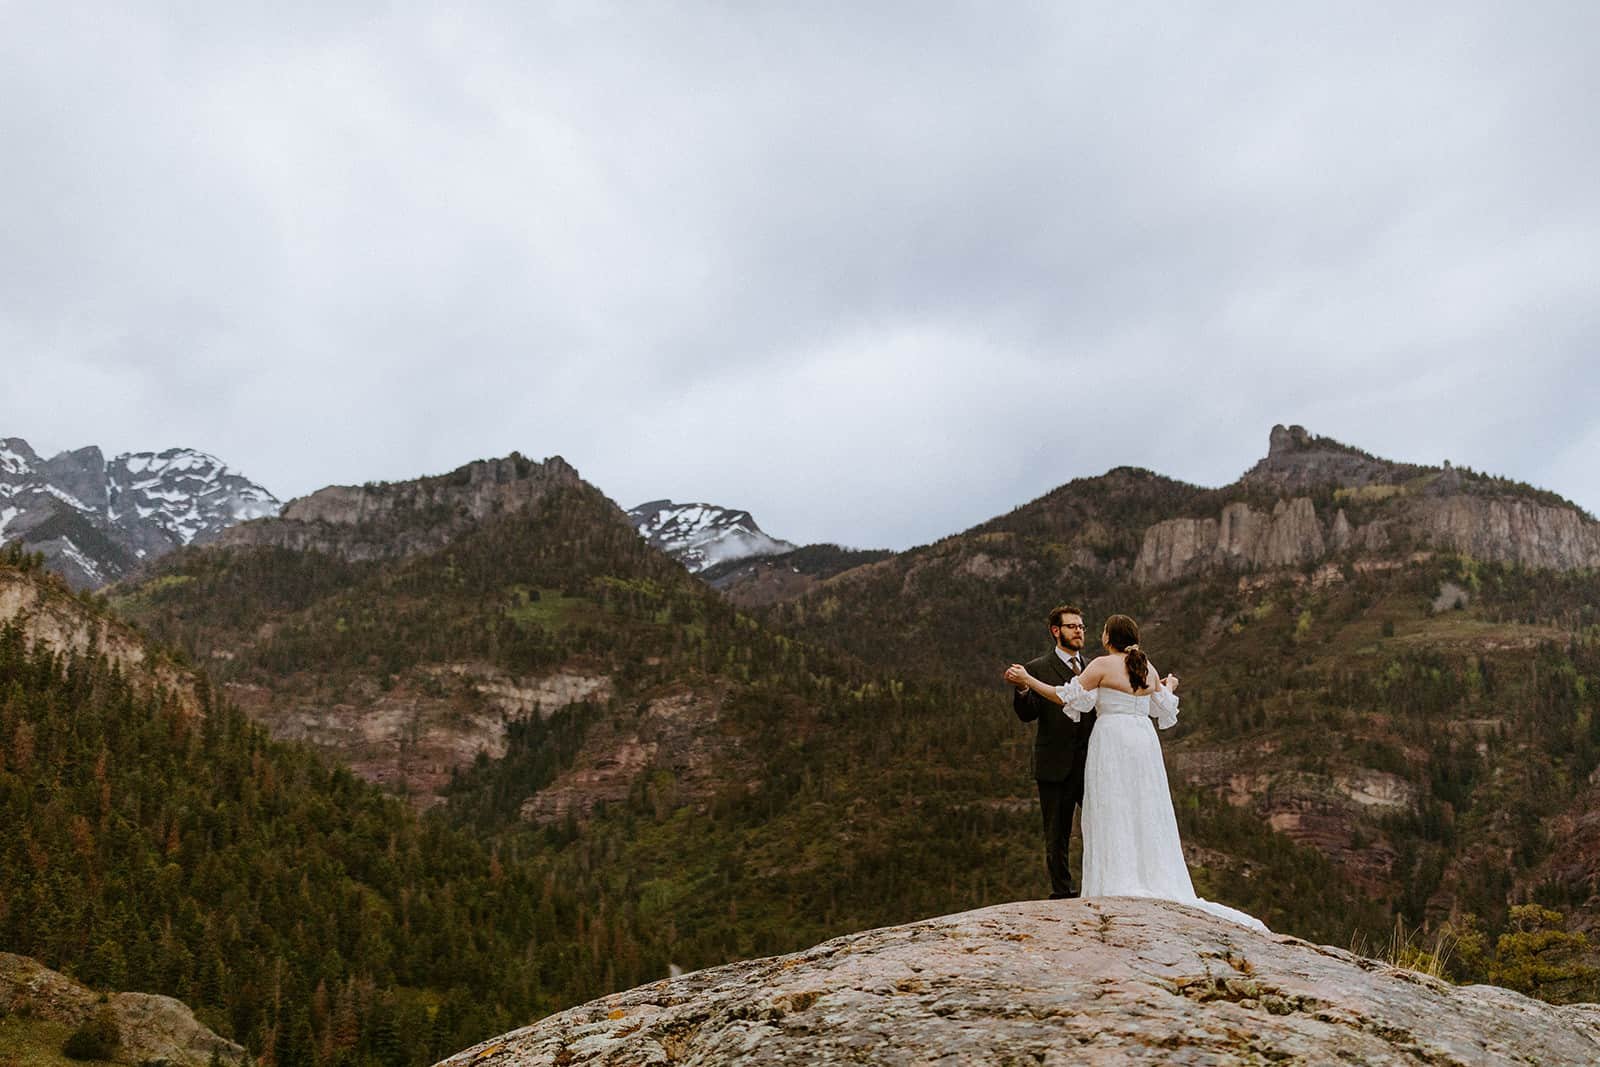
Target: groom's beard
[{"x": 1061, "y": 643}]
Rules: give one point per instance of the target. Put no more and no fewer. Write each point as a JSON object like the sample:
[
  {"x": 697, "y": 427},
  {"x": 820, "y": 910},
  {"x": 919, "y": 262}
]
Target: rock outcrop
[
  {"x": 1297, "y": 460},
  {"x": 1114, "y": 980},
  {"x": 1241, "y": 538},
  {"x": 153, "y": 1029},
  {"x": 1440, "y": 507},
  {"x": 1494, "y": 529},
  {"x": 395, "y": 519},
  {"x": 1509, "y": 530}
]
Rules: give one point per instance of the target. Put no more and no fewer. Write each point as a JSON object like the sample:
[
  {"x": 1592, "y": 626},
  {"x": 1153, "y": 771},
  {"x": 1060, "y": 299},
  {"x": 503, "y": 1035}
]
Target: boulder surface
[
  {"x": 1110, "y": 980},
  {"x": 153, "y": 1029}
]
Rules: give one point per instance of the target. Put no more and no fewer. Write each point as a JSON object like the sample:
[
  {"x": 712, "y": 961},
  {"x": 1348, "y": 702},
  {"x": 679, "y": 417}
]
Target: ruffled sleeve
[
  {"x": 1164, "y": 707},
  {"x": 1075, "y": 699}
]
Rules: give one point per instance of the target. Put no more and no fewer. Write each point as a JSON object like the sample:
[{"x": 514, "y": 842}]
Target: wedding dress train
[{"x": 1130, "y": 834}]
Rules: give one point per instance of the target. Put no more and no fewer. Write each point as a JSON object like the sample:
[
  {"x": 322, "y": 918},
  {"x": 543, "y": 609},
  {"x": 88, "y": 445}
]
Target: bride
[{"x": 1130, "y": 835}]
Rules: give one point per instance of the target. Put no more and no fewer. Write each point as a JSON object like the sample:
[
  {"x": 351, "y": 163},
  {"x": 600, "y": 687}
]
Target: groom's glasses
[{"x": 1069, "y": 625}]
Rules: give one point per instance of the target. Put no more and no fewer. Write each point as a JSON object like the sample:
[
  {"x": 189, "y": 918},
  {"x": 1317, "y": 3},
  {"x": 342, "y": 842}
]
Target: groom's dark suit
[{"x": 1058, "y": 754}]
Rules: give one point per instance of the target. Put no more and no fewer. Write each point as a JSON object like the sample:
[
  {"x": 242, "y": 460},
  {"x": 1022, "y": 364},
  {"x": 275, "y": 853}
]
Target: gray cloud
[{"x": 874, "y": 274}]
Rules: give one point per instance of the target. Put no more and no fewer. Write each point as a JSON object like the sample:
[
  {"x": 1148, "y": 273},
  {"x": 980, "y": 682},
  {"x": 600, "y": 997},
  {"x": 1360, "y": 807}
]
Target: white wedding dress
[{"x": 1130, "y": 834}]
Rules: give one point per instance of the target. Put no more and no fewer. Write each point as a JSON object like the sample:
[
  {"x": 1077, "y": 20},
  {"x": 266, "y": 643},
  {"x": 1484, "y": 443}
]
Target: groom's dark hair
[{"x": 1064, "y": 609}]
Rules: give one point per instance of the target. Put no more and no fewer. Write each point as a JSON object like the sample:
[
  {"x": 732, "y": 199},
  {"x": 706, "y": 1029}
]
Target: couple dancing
[{"x": 1096, "y": 747}]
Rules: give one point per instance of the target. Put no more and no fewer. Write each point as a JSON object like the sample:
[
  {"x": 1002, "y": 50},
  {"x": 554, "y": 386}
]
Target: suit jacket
[{"x": 1061, "y": 744}]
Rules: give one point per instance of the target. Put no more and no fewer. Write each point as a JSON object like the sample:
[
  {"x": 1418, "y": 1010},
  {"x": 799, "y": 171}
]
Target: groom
[{"x": 1061, "y": 745}]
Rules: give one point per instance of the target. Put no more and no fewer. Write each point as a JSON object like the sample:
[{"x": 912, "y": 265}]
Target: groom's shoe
[{"x": 1063, "y": 896}]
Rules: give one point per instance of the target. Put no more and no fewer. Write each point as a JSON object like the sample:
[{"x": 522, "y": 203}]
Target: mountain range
[
  {"x": 95, "y": 520},
  {"x": 1389, "y": 707},
  {"x": 1317, "y": 543}
]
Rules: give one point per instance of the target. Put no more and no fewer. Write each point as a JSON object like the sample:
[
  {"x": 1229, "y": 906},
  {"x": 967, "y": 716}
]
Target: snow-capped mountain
[
  {"x": 189, "y": 494},
  {"x": 95, "y": 520},
  {"x": 703, "y": 535}
]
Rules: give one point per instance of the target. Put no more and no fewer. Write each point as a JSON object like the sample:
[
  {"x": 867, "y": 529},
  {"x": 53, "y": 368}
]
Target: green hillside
[{"x": 295, "y": 907}]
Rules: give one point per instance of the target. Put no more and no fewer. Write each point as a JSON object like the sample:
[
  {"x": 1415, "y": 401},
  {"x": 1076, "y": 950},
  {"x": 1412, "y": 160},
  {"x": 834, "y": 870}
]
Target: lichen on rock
[{"x": 1112, "y": 980}]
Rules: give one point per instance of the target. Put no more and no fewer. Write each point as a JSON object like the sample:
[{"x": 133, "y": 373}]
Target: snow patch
[
  {"x": 251, "y": 508},
  {"x": 62, "y": 494},
  {"x": 167, "y": 494},
  {"x": 87, "y": 565},
  {"x": 13, "y": 463}
]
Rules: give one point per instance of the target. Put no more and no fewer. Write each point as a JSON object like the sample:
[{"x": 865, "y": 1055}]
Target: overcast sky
[{"x": 875, "y": 272}]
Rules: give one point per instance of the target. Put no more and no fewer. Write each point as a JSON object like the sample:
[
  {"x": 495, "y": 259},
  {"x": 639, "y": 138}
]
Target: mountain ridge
[
  {"x": 384, "y": 520},
  {"x": 1311, "y": 499}
]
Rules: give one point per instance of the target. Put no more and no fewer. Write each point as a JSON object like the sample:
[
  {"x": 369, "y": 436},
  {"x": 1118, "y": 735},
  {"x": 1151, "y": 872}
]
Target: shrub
[{"x": 96, "y": 1039}]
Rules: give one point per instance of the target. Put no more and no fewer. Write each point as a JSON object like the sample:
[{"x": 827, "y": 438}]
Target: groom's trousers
[{"x": 1057, "y": 802}]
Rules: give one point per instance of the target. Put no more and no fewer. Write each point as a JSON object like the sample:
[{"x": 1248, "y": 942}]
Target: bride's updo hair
[{"x": 1122, "y": 634}]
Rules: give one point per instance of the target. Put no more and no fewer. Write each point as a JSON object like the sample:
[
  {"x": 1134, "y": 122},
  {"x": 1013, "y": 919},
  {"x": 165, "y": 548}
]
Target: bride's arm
[
  {"x": 1076, "y": 697},
  {"x": 1163, "y": 698},
  {"x": 1153, "y": 679},
  {"x": 1017, "y": 674}
]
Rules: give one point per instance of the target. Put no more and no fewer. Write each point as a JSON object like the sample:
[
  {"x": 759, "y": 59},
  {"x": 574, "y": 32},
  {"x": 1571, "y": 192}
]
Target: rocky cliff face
[
  {"x": 1494, "y": 529},
  {"x": 95, "y": 520},
  {"x": 409, "y": 736},
  {"x": 1509, "y": 530},
  {"x": 1240, "y": 538},
  {"x": 394, "y": 519},
  {"x": 50, "y": 617},
  {"x": 1114, "y": 980},
  {"x": 153, "y": 1029},
  {"x": 1441, "y": 508}
]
